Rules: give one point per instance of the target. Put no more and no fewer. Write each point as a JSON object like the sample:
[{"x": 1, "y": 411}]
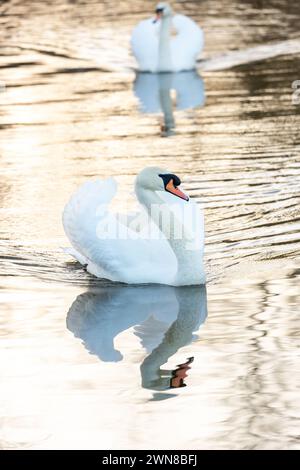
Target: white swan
[
  {"x": 169, "y": 43},
  {"x": 162, "y": 244}
]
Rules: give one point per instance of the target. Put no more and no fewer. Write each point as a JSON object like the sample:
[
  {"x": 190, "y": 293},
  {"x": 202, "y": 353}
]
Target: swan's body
[
  {"x": 163, "y": 244},
  {"x": 170, "y": 44}
]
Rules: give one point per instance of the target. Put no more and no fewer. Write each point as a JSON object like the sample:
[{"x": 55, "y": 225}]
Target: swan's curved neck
[
  {"x": 192, "y": 308},
  {"x": 180, "y": 239},
  {"x": 164, "y": 48}
]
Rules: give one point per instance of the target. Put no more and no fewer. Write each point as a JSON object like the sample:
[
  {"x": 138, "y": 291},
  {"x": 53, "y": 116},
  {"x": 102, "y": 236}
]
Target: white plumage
[
  {"x": 135, "y": 250},
  {"x": 172, "y": 44},
  {"x": 110, "y": 249}
]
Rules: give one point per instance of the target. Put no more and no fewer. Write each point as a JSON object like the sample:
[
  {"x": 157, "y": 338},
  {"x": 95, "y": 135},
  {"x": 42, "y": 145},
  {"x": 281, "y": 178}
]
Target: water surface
[{"x": 90, "y": 365}]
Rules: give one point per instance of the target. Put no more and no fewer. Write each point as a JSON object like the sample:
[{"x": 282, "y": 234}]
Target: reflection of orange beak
[
  {"x": 176, "y": 191},
  {"x": 157, "y": 17}
]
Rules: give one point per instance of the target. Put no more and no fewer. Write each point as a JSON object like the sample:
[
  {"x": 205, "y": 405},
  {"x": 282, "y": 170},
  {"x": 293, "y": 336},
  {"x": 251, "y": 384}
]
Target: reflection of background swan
[
  {"x": 163, "y": 315},
  {"x": 154, "y": 93}
]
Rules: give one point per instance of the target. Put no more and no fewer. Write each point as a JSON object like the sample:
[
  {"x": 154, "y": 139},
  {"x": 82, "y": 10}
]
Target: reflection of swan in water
[
  {"x": 191, "y": 314},
  {"x": 164, "y": 318},
  {"x": 153, "y": 91}
]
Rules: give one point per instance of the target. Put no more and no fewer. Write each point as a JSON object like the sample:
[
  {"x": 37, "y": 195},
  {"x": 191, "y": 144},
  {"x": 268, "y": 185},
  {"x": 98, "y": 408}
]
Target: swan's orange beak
[
  {"x": 157, "y": 17},
  {"x": 176, "y": 191},
  {"x": 158, "y": 14}
]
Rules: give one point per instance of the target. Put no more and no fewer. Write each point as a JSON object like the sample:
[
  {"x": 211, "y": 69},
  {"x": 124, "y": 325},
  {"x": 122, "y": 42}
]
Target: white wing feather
[
  {"x": 110, "y": 248},
  {"x": 144, "y": 43},
  {"x": 185, "y": 45}
]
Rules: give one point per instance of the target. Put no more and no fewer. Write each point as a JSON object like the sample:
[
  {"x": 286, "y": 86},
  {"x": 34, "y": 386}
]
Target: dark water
[{"x": 72, "y": 107}]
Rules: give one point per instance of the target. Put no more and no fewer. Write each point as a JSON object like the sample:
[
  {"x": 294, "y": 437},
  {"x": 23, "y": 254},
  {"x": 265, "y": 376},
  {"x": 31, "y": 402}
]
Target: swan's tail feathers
[
  {"x": 86, "y": 207},
  {"x": 76, "y": 255}
]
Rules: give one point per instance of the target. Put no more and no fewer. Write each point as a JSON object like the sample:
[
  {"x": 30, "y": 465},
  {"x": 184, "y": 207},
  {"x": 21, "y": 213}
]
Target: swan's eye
[
  {"x": 176, "y": 180},
  {"x": 159, "y": 10},
  {"x": 171, "y": 183},
  {"x": 168, "y": 177}
]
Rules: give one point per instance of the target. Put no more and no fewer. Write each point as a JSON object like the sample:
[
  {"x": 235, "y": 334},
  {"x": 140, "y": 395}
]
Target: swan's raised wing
[
  {"x": 188, "y": 42},
  {"x": 79, "y": 212},
  {"x": 144, "y": 44},
  {"x": 110, "y": 248}
]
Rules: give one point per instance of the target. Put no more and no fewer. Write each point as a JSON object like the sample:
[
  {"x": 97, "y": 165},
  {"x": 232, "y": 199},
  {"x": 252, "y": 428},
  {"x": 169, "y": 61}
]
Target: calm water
[{"x": 89, "y": 365}]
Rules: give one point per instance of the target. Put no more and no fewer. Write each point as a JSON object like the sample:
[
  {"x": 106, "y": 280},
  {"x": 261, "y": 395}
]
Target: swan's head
[
  {"x": 163, "y": 10},
  {"x": 157, "y": 179}
]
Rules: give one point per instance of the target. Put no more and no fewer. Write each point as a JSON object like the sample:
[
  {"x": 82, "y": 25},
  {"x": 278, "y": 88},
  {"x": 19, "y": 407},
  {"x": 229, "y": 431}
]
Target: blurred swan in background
[
  {"x": 168, "y": 43},
  {"x": 153, "y": 91},
  {"x": 165, "y": 319},
  {"x": 161, "y": 244}
]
